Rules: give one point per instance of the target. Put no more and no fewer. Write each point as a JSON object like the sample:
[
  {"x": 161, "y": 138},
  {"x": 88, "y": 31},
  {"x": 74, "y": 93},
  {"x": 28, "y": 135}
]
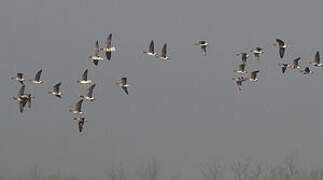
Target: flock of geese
[
  {"x": 25, "y": 98},
  {"x": 258, "y": 51}
]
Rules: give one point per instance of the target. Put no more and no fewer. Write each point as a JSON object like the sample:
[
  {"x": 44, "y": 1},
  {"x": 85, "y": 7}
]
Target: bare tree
[
  {"x": 151, "y": 172},
  {"x": 240, "y": 169},
  {"x": 117, "y": 173},
  {"x": 257, "y": 171},
  {"x": 212, "y": 171},
  {"x": 290, "y": 164}
]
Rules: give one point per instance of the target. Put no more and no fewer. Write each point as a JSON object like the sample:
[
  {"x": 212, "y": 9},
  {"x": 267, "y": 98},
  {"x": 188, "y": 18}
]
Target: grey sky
[{"x": 182, "y": 112}]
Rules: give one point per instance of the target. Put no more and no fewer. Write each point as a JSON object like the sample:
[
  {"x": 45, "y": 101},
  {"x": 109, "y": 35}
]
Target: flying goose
[
  {"x": 283, "y": 66},
  {"x": 244, "y": 57},
  {"x": 37, "y": 78},
  {"x": 253, "y": 76},
  {"x": 89, "y": 94},
  {"x": 282, "y": 46},
  {"x": 56, "y": 91},
  {"x": 241, "y": 69},
  {"x": 257, "y": 51},
  {"x": 306, "y": 71},
  {"x": 163, "y": 55},
  {"x": 23, "y": 102},
  {"x": 81, "y": 121},
  {"x": 294, "y": 65},
  {"x": 109, "y": 48},
  {"x": 78, "y": 107},
  {"x": 203, "y": 45},
  {"x": 239, "y": 81},
  {"x": 21, "y": 94},
  {"x": 19, "y": 78},
  {"x": 123, "y": 84},
  {"x": 151, "y": 50},
  {"x": 317, "y": 60},
  {"x": 84, "y": 79},
  {"x": 96, "y": 58}
]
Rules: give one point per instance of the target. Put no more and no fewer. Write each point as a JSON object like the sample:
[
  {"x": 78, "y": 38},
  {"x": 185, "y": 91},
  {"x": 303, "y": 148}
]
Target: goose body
[
  {"x": 37, "y": 80},
  {"x": 239, "y": 81},
  {"x": 109, "y": 48},
  {"x": 253, "y": 76},
  {"x": 163, "y": 55},
  {"x": 282, "y": 46},
  {"x": 317, "y": 60},
  {"x": 244, "y": 57},
  {"x": 284, "y": 67},
  {"x": 306, "y": 71},
  {"x": 151, "y": 50},
  {"x": 257, "y": 52},
  {"x": 241, "y": 69},
  {"x": 294, "y": 64}
]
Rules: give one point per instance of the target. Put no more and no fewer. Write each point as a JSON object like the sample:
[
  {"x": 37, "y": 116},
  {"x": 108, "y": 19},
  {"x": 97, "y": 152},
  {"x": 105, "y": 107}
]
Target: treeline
[{"x": 242, "y": 169}]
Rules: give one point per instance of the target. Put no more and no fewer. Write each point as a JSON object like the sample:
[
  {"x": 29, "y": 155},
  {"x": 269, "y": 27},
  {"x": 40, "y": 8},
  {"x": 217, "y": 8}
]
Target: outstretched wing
[
  {"x": 124, "y": 80},
  {"x": 19, "y": 75},
  {"x": 203, "y": 50},
  {"x": 280, "y": 42},
  {"x": 90, "y": 90},
  {"x": 151, "y": 47},
  {"x": 164, "y": 50},
  {"x": 80, "y": 123},
  {"x": 37, "y": 76},
  {"x": 254, "y": 74},
  {"x": 242, "y": 67},
  {"x": 95, "y": 62},
  {"x": 108, "y": 43},
  {"x": 21, "y": 90},
  {"x": 56, "y": 87},
  {"x": 84, "y": 76},
  {"x": 281, "y": 52},
  {"x": 108, "y": 55},
  {"x": 96, "y": 48},
  {"x": 295, "y": 61},
  {"x": 78, "y": 105},
  {"x": 22, "y": 105},
  {"x": 317, "y": 57},
  {"x": 125, "y": 89}
]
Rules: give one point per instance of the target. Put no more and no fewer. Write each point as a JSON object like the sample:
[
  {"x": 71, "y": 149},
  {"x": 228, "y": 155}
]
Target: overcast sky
[{"x": 183, "y": 112}]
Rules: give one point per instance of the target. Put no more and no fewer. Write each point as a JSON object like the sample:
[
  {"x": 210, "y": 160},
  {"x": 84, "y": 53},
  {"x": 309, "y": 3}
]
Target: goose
[
  {"x": 244, "y": 57},
  {"x": 81, "y": 121},
  {"x": 253, "y": 76},
  {"x": 123, "y": 84},
  {"x": 294, "y": 65},
  {"x": 256, "y": 52},
  {"x": 84, "y": 79},
  {"x": 78, "y": 107},
  {"x": 282, "y": 46},
  {"x": 56, "y": 91},
  {"x": 241, "y": 69},
  {"x": 283, "y": 66},
  {"x": 151, "y": 50},
  {"x": 203, "y": 45},
  {"x": 21, "y": 94},
  {"x": 37, "y": 80},
  {"x": 109, "y": 48},
  {"x": 163, "y": 55},
  {"x": 96, "y": 58},
  {"x": 19, "y": 78},
  {"x": 306, "y": 71},
  {"x": 239, "y": 81},
  {"x": 89, "y": 94},
  {"x": 317, "y": 60}
]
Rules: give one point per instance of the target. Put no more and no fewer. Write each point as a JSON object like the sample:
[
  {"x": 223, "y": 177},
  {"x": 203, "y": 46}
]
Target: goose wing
[
  {"x": 108, "y": 55},
  {"x": 125, "y": 89},
  {"x": 164, "y": 50},
  {"x": 90, "y": 90},
  {"x": 151, "y": 47},
  {"x": 317, "y": 57},
  {"x": 37, "y": 76},
  {"x": 21, "y": 91},
  {"x": 84, "y": 76},
  {"x": 280, "y": 42},
  {"x": 203, "y": 50},
  {"x": 281, "y": 52},
  {"x": 56, "y": 87},
  {"x": 108, "y": 42},
  {"x": 254, "y": 74},
  {"x": 22, "y": 105},
  {"x": 78, "y": 105},
  {"x": 80, "y": 124},
  {"x": 124, "y": 80},
  {"x": 295, "y": 61},
  {"x": 96, "y": 48}
]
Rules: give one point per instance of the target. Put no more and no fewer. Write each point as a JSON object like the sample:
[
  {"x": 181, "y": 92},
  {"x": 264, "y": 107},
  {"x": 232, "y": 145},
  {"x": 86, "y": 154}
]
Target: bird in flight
[
  {"x": 282, "y": 46},
  {"x": 108, "y": 47},
  {"x": 203, "y": 45},
  {"x": 123, "y": 84},
  {"x": 151, "y": 50},
  {"x": 96, "y": 58},
  {"x": 56, "y": 92},
  {"x": 84, "y": 79}
]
